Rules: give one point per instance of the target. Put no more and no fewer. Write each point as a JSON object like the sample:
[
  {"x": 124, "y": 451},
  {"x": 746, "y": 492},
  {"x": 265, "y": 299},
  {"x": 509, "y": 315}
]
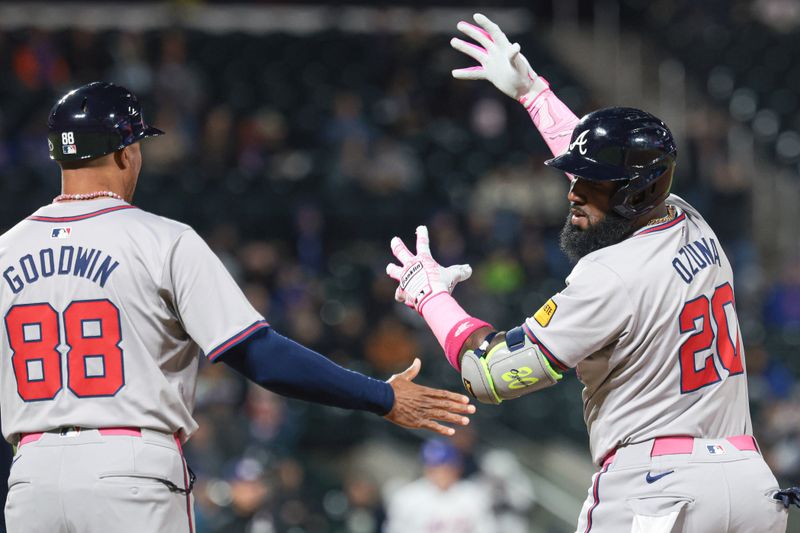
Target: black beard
[{"x": 576, "y": 242}]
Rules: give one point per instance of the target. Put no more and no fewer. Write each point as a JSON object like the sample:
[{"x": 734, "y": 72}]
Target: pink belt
[
  {"x": 685, "y": 445},
  {"x": 130, "y": 432}
]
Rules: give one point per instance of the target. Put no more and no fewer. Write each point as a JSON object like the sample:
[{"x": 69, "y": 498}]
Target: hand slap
[{"x": 419, "y": 407}]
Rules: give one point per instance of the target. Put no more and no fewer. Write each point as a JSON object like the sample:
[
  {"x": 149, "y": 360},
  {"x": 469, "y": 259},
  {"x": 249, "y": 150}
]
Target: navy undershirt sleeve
[{"x": 290, "y": 369}]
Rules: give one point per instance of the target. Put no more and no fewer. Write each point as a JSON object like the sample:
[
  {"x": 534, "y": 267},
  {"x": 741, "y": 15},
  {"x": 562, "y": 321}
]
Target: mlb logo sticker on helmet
[
  {"x": 68, "y": 143},
  {"x": 100, "y": 117}
]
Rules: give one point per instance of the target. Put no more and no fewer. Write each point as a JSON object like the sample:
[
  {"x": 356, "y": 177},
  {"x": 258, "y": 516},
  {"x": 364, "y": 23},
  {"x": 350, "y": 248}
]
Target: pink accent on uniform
[
  {"x": 744, "y": 443},
  {"x": 30, "y": 437},
  {"x": 672, "y": 446},
  {"x": 476, "y": 47},
  {"x": 130, "y": 432},
  {"x": 552, "y": 118},
  {"x": 477, "y": 28},
  {"x": 451, "y": 325},
  {"x": 685, "y": 446}
]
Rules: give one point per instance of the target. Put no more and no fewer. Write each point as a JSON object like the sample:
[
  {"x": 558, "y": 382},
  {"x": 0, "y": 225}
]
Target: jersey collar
[
  {"x": 679, "y": 217},
  {"x": 80, "y": 210}
]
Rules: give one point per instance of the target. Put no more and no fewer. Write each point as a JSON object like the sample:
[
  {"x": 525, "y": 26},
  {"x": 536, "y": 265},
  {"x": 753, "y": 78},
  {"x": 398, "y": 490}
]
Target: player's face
[
  {"x": 589, "y": 202},
  {"x": 591, "y": 223}
]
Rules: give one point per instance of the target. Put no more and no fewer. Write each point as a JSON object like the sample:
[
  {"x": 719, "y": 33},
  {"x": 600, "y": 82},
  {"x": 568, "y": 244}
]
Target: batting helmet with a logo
[
  {"x": 626, "y": 145},
  {"x": 94, "y": 120}
]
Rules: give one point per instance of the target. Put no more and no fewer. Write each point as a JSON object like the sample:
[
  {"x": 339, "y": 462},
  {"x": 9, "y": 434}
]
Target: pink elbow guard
[{"x": 451, "y": 325}]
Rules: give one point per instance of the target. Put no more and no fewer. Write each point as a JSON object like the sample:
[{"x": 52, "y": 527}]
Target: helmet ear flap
[{"x": 644, "y": 191}]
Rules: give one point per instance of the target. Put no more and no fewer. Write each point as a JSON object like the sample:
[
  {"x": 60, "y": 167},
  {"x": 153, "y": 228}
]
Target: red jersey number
[
  {"x": 94, "y": 359},
  {"x": 697, "y": 316}
]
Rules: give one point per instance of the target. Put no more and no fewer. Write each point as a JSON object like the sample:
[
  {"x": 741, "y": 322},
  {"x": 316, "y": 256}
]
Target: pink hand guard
[
  {"x": 552, "y": 118},
  {"x": 451, "y": 325}
]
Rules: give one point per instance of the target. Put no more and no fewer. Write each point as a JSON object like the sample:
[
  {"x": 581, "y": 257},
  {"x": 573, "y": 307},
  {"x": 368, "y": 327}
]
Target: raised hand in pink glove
[
  {"x": 501, "y": 62},
  {"x": 420, "y": 276}
]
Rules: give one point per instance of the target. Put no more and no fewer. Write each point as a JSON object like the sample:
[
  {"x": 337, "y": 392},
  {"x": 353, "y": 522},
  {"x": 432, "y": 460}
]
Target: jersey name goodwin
[{"x": 89, "y": 263}]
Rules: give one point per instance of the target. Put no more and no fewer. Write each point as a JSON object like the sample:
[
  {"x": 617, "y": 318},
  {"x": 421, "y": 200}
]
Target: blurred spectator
[
  {"x": 512, "y": 493},
  {"x": 440, "y": 501},
  {"x": 308, "y": 225},
  {"x": 392, "y": 168},
  {"x": 364, "y": 512},
  {"x": 782, "y": 303},
  {"x": 501, "y": 273},
  {"x": 177, "y": 83},
  {"x": 88, "y": 58},
  {"x": 270, "y": 424},
  {"x": 250, "y": 494},
  {"x": 390, "y": 346},
  {"x": 130, "y": 68},
  {"x": 38, "y": 64},
  {"x": 348, "y": 134}
]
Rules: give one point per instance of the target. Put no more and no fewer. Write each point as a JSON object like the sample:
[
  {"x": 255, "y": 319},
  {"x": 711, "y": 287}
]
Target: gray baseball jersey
[
  {"x": 104, "y": 307},
  {"x": 650, "y": 325}
]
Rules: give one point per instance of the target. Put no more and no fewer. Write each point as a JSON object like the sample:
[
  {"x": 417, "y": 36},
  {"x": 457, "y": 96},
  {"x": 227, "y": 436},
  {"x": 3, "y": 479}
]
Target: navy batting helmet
[
  {"x": 625, "y": 145},
  {"x": 95, "y": 120}
]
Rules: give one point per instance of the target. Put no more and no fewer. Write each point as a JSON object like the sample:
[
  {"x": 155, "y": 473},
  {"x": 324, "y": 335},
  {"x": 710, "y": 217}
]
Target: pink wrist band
[
  {"x": 553, "y": 119},
  {"x": 451, "y": 325}
]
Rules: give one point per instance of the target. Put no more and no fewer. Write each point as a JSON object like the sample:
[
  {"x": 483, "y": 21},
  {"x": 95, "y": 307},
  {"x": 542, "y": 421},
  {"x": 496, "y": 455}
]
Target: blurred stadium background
[{"x": 302, "y": 137}]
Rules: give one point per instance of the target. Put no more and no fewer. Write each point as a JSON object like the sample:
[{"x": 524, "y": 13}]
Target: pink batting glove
[{"x": 420, "y": 276}]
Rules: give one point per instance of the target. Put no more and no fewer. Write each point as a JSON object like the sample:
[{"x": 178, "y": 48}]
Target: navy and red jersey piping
[
  {"x": 663, "y": 226},
  {"x": 76, "y": 218},
  {"x": 555, "y": 361},
  {"x": 596, "y": 495},
  {"x": 238, "y": 338}
]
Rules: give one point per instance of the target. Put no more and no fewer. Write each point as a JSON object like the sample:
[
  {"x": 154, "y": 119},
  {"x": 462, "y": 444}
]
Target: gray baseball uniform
[
  {"x": 650, "y": 326},
  {"x": 105, "y": 307}
]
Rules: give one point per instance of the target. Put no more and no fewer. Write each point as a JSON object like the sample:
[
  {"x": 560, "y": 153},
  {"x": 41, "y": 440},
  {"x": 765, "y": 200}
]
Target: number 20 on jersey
[{"x": 697, "y": 316}]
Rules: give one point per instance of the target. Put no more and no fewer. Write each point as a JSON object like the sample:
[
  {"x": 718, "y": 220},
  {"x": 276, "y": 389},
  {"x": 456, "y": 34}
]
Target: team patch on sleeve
[{"x": 545, "y": 313}]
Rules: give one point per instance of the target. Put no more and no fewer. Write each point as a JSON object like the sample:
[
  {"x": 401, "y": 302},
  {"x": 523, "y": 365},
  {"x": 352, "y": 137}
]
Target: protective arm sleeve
[
  {"x": 507, "y": 366},
  {"x": 554, "y": 120},
  {"x": 283, "y": 366}
]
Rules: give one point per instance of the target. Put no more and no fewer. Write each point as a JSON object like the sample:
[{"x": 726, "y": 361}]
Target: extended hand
[
  {"x": 418, "y": 407},
  {"x": 421, "y": 277},
  {"x": 500, "y": 61}
]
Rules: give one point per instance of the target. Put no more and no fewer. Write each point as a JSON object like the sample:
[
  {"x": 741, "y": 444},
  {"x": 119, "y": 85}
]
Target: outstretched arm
[
  {"x": 494, "y": 366},
  {"x": 502, "y": 63},
  {"x": 288, "y": 368}
]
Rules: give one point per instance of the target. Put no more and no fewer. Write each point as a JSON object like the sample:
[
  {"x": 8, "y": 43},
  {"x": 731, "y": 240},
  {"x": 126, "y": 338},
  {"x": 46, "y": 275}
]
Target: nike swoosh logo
[{"x": 653, "y": 479}]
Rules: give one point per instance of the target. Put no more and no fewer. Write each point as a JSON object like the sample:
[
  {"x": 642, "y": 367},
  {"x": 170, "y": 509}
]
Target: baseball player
[
  {"x": 647, "y": 319},
  {"x": 104, "y": 308},
  {"x": 441, "y": 501}
]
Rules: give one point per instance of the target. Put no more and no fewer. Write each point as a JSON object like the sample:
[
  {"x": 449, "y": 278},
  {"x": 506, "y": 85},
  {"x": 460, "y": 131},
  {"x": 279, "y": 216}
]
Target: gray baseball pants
[
  {"x": 96, "y": 481},
  {"x": 684, "y": 485}
]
